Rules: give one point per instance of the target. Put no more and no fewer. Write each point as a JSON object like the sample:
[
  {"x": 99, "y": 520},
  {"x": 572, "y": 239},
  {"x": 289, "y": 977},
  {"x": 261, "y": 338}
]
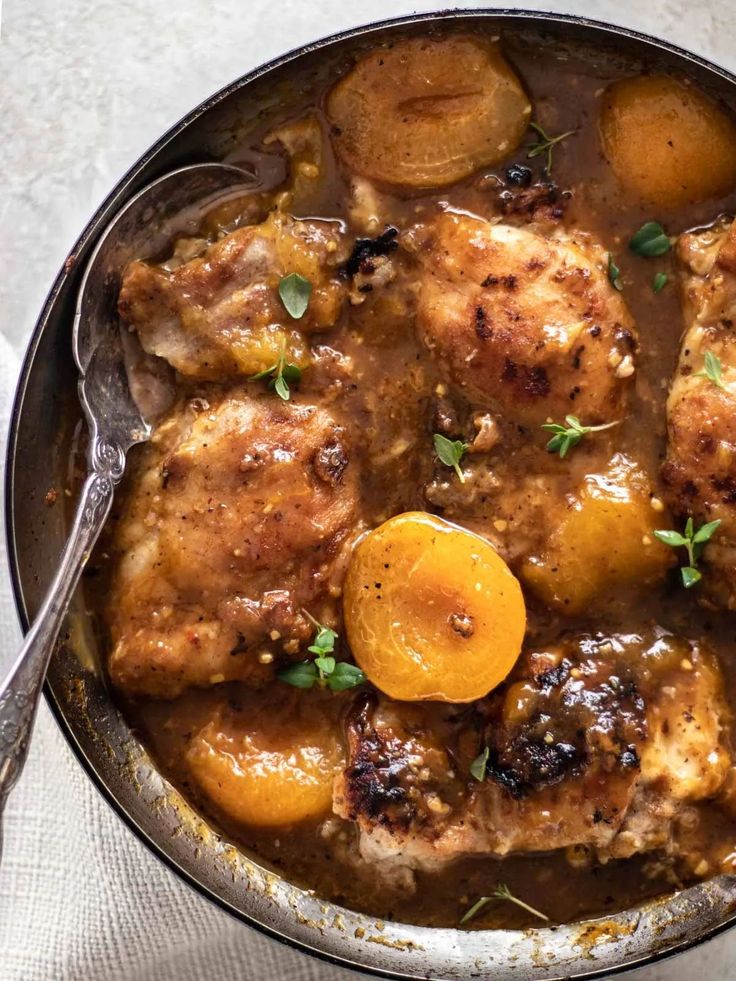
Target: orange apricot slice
[
  {"x": 272, "y": 762},
  {"x": 432, "y": 611},
  {"x": 604, "y": 540},
  {"x": 427, "y": 112},
  {"x": 667, "y": 142}
]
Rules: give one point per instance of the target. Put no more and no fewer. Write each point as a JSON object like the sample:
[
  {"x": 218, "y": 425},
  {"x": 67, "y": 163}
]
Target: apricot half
[
  {"x": 668, "y": 144},
  {"x": 432, "y": 611},
  {"x": 604, "y": 539},
  {"x": 427, "y": 112},
  {"x": 272, "y": 762}
]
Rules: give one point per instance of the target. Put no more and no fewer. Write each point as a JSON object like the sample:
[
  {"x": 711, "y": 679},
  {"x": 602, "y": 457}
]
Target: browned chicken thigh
[
  {"x": 700, "y": 471},
  {"x": 238, "y": 521},
  {"x": 523, "y": 323},
  {"x": 219, "y": 314},
  {"x": 598, "y": 742}
]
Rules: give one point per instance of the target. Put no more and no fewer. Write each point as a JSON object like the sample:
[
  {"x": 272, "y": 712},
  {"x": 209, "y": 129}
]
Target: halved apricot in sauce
[
  {"x": 273, "y": 761},
  {"x": 432, "y": 611},
  {"x": 667, "y": 143},
  {"x": 427, "y": 112},
  {"x": 604, "y": 540}
]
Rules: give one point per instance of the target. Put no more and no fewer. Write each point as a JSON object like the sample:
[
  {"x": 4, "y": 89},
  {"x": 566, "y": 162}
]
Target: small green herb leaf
[
  {"x": 325, "y": 665},
  {"x": 706, "y": 532},
  {"x": 324, "y": 641},
  {"x": 672, "y": 538},
  {"x": 501, "y": 891},
  {"x": 690, "y": 576},
  {"x": 295, "y": 291},
  {"x": 450, "y": 452},
  {"x": 291, "y": 372},
  {"x": 280, "y": 374},
  {"x": 651, "y": 240},
  {"x": 712, "y": 369},
  {"x": 345, "y": 676},
  {"x": 281, "y": 388},
  {"x": 569, "y": 435},
  {"x": 694, "y": 542},
  {"x": 614, "y": 274},
  {"x": 479, "y": 764},
  {"x": 659, "y": 282},
  {"x": 302, "y": 675},
  {"x": 546, "y": 144}
]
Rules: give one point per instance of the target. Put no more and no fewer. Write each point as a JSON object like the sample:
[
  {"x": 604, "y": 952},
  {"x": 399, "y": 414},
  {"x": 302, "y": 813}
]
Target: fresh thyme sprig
[
  {"x": 546, "y": 144},
  {"x": 501, "y": 891},
  {"x": 614, "y": 274},
  {"x": 324, "y": 671},
  {"x": 565, "y": 437},
  {"x": 694, "y": 542},
  {"x": 712, "y": 369},
  {"x": 279, "y": 374},
  {"x": 479, "y": 764},
  {"x": 450, "y": 452}
]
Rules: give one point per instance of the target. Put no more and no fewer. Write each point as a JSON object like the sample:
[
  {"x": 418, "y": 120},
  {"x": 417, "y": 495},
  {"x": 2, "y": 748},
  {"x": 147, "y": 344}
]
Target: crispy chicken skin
[
  {"x": 240, "y": 518},
  {"x": 526, "y": 324},
  {"x": 598, "y": 742},
  {"x": 700, "y": 471},
  {"x": 219, "y": 314}
]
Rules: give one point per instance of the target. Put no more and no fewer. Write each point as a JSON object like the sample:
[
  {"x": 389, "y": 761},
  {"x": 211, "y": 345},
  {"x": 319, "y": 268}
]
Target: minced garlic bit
[
  {"x": 437, "y": 806},
  {"x": 626, "y": 368},
  {"x": 309, "y": 170}
]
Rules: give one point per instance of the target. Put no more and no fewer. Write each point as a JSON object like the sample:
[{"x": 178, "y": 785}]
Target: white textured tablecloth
[{"x": 85, "y": 87}]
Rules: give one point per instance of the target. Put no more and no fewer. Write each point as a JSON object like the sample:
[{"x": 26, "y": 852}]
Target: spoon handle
[{"x": 20, "y": 691}]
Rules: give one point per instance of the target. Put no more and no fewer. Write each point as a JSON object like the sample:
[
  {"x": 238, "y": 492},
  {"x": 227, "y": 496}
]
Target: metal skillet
[{"x": 45, "y": 419}]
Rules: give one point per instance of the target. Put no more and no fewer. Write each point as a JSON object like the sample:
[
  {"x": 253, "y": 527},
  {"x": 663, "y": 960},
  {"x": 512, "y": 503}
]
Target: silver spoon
[{"x": 170, "y": 206}]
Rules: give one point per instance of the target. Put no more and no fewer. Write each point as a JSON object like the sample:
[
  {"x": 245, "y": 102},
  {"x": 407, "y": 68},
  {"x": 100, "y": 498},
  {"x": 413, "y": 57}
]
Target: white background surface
[{"x": 85, "y": 87}]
